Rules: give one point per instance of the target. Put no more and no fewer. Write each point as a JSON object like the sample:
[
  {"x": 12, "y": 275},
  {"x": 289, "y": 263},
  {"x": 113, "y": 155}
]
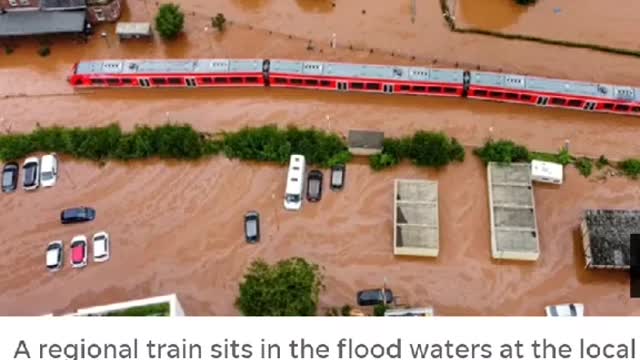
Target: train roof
[
  {"x": 387, "y": 72},
  {"x": 565, "y": 87},
  {"x": 169, "y": 66}
]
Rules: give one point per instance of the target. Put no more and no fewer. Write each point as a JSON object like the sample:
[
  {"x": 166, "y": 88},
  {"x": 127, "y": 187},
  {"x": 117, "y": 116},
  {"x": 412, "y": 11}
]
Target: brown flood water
[{"x": 177, "y": 227}]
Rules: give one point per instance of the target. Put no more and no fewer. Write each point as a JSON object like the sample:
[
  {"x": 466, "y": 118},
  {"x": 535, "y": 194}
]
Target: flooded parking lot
[{"x": 177, "y": 227}]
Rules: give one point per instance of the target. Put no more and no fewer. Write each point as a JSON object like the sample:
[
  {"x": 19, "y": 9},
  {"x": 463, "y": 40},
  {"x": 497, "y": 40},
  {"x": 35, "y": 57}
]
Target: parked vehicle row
[
  {"x": 296, "y": 182},
  {"x": 79, "y": 246},
  {"x": 37, "y": 172}
]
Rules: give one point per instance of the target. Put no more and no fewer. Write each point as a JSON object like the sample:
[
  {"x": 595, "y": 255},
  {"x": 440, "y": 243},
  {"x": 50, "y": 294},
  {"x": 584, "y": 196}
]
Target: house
[{"x": 365, "y": 143}]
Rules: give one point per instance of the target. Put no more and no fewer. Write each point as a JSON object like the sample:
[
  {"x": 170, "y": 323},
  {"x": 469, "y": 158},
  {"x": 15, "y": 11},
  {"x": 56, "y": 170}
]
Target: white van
[
  {"x": 546, "y": 172},
  {"x": 295, "y": 183}
]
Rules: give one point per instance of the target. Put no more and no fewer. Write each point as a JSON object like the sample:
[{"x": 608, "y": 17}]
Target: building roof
[
  {"x": 126, "y": 28},
  {"x": 606, "y": 237},
  {"x": 25, "y": 23},
  {"x": 514, "y": 230},
  {"x": 169, "y": 66},
  {"x": 416, "y": 218},
  {"x": 62, "y": 4},
  {"x": 365, "y": 139}
]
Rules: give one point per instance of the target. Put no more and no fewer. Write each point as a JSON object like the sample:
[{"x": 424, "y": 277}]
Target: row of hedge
[
  {"x": 506, "y": 151},
  {"x": 432, "y": 149}
]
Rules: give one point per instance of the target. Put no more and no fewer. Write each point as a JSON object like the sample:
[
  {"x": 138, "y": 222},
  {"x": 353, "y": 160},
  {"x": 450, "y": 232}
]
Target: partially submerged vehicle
[
  {"x": 565, "y": 310},
  {"x": 252, "y": 227},
  {"x": 31, "y": 168},
  {"x": 374, "y": 297},
  {"x": 79, "y": 249},
  {"x": 101, "y": 247},
  {"x": 48, "y": 170},
  {"x": 54, "y": 256},
  {"x": 10, "y": 177},
  {"x": 338, "y": 174},
  {"x": 314, "y": 186},
  {"x": 76, "y": 215},
  {"x": 295, "y": 183}
]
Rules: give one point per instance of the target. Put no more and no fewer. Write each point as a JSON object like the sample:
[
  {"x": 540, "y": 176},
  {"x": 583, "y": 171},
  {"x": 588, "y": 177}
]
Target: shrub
[
  {"x": 584, "y": 166},
  {"x": 382, "y": 161},
  {"x": 433, "y": 149},
  {"x": 602, "y": 162},
  {"x": 380, "y": 309},
  {"x": 630, "y": 167},
  {"x": 169, "y": 21},
  {"x": 502, "y": 151},
  {"x": 289, "y": 288},
  {"x": 345, "y": 310},
  {"x": 44, "y": 51},
  {"x": 219, "y": 22}
]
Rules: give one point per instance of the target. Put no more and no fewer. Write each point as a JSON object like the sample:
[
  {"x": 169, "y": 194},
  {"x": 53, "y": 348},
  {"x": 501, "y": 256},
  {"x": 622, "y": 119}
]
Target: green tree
[
  {"x": 289, "y": 288},
  {"x": 169, "y": 21},
  {"x": 219, "y": 22},
  {"x": 503, "y": 151}
]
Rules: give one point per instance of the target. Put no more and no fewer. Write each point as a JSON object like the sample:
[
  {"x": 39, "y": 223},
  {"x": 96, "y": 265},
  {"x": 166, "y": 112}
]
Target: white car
[
  {"x": 565, "y": 310},
  {"x": 79, "y": 247},
  {"x": 48, "y": 170},
  {"x": 54, "y": 255},
  {"x": 31, "y": 170},
  {"x": 101, "y": 247}
]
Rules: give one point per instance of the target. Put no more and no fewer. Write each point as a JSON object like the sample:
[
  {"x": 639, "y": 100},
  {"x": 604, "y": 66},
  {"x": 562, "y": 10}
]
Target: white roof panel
[{"x": 52, "y": 257}]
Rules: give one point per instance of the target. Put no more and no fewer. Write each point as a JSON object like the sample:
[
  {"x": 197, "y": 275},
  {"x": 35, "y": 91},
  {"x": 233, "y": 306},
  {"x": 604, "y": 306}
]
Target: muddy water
[
  {"x": 173, "y": 235},
  {"x": 185, "y": 236}
]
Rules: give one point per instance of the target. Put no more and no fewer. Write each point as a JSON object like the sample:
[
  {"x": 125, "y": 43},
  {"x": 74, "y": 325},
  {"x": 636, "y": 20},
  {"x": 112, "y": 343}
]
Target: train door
[
  {"x": 191, "y": 82},
  {"x": 143, "y": 82},
  {"x": 542, "y": 100},
  {"x": 342, "y": 86},
  {"x": 388, "y": 88},
  {"x": 590, "y": 105}
]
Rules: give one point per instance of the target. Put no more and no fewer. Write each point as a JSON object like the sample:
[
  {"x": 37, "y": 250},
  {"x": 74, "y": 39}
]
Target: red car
[{"x": 79, "y": 247}]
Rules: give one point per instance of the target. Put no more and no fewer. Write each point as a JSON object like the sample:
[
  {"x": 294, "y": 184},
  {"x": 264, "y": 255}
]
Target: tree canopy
[
  {"x": 169, "y": 21},
  {"x": 288, "y": 288}
]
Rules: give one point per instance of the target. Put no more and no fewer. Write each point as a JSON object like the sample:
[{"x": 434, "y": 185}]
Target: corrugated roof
[
  {"x": 24, "y": 23},
  {"x": 63, "y": 4}
]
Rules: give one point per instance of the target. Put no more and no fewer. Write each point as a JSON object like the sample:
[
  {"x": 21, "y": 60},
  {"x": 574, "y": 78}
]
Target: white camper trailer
[
  {"x": 547, "y": 172},
  {"x": 295, "y": 183}
]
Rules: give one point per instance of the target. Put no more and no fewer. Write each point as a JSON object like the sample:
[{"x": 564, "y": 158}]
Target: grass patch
[
  {"x": 584, "y": 166},
  {"x": 630, "y": 167},
  {"x": 147, "y": 310}
]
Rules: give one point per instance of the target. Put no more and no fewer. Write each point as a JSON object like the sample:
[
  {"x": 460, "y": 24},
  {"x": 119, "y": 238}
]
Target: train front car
[
  {"x": 366, "y": 78},
  {"x": 168, "y": 73},
  {"x": 547, "y": 92}
]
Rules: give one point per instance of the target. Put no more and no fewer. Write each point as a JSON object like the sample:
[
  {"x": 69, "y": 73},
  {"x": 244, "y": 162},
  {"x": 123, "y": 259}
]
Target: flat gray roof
[
  {"x": 176, "y": 66},
  {"x": 365, "y": 139},
  {"x": 606, "y": 237},
  {"x": 63, "y": 4},
  {"x": 24, "y": 23},
  {"x": 514, "y": 230},
  {"x": 416, "y": 230}
]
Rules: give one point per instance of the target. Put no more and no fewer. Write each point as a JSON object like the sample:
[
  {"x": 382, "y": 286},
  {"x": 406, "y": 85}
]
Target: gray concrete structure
[
  {"x": 416, "y": 231},
  {"x": 514, "y": 230},
  {"x": 365, "y": 143},
  {"x": 606, "y": 238}
]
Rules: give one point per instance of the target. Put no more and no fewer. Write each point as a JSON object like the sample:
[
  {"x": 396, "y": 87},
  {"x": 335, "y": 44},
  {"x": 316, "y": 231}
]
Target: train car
[
  {"x": 554, "y": 93},
  {"x": 169, "y": 73},
  {"x": 366, "y": 78}
]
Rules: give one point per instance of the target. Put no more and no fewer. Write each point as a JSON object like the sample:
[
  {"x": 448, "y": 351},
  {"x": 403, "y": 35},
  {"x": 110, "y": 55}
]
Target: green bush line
[{"x": 146, "y": 310}]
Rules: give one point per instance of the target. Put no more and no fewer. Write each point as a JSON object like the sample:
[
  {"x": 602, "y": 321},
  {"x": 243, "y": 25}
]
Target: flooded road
[
  {"x": 177, "y": 227},
  {"x": 180, "y": 230}
]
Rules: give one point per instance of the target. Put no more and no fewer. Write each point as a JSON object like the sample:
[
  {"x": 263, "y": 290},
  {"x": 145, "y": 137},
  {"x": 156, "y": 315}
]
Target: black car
[
  {"x": 252, "y": 227},
  {"x": 314, "y": 186},
  {"x": 10, "y": 177},
  {"x": 338, "y": 174},
  {"x": 373, "y": 297},
  {"x": 76, "y": 215}
]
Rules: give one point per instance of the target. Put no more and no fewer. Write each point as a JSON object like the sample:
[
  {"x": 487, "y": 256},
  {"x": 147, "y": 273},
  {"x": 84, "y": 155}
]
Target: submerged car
[
  {"x": 79, "y": 251},
  {"x": 10, "y": 177},
  {"x": 48, "y": 170},
  {"x": 101, "y": 247},
  {"x": 565, "y": 310},
  {"x": 54, "y": 255},
  {"x": 76, "y": 215},
  {"x": 338, "y": 174},
  {"x": 252, "y": 227},
  {"x": 373, "y": 297},
  {"x": 31, "y": 169},
  {"x": 314, "y": 186}
]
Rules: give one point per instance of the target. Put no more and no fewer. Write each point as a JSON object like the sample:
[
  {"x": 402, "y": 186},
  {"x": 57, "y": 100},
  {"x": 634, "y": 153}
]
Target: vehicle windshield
[
  {"x": 7, "y": 178},
  {"x": 47, "y": 175},
  {"x": 292, "y": 198},
  {"x": 30, "y": 173}
]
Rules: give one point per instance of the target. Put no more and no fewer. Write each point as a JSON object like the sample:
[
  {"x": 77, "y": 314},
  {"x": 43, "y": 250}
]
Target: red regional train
[{"x": 387, "y": 79}]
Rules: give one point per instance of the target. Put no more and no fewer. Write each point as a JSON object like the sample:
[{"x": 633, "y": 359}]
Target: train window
[
  {"x": 356, "y": 85},
  {"x": 325, "y": 83},
  {"x": 608, "y": 106},
  {"x": 450, "y": 90},
  {"x": 97, "y": 81},
  {"x": 635, "y": 109},
  {"x": 280, "y": 80},
  {"x": 220, "y": 80},
  {"x": 557, "y": 101},
  {"x": 419, "y": 88},
  {"x": 511, "y": 96},
  {"x": 311, "y": 82},
  {"x": 236, "y": 80},
  {"x": 373, "y": 86},
  {"x": 480, "y": 92},
  {"x": 525, "y": 97},
  {"x": 296, "y": 81},
  {"x": 113, "y": 81},
  {"x": 174, "y": 80},
  {"x": 251, "y": 79},
  {"x": 495, "y": 94},
  {"x": 622, "y": 107},
  {"x": 405, "y": 87},
  {"x": 435, "y": 89},
  {"x": 159, "y": 81},
  {"x": 575, "y": 103},
  {"x": 127, "y": 81},
  {"x": 205, "y": 80}
]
